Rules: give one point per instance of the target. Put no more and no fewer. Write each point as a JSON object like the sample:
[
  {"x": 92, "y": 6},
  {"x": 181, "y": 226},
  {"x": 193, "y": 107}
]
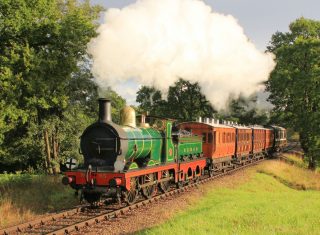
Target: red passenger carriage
[
  {"x": 258, "y": 141},
  {"x": 218, "y": 141}
]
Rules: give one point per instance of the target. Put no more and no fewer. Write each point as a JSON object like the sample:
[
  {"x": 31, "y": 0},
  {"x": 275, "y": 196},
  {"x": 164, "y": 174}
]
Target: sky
[{"x": 259, "y": 19}]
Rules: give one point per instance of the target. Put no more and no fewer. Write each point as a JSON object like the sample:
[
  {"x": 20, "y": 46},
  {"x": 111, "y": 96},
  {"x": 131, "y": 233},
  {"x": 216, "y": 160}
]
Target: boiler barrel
[{"x": 143, "y": 142}]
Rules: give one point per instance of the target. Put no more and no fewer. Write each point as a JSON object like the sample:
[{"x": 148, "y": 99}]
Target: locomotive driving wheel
[
  {"x": 130, "y": 196},
  {"x": 165, "y": 185},
  {"x": 150, "y": 190}
]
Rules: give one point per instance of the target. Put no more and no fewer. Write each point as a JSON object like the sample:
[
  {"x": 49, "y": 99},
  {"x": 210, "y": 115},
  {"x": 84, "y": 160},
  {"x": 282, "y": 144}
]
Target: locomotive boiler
[{"x": 108, "y": 146}]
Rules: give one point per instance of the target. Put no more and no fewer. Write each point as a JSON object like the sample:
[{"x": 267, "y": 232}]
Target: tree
[
  {"x": 184, "y": 102},
  {"x": 42, "y": 63},
  {"x": 295, "y": 82},
  {"x": 245, "y": 111},
  {"x": 151, "y": 101}
]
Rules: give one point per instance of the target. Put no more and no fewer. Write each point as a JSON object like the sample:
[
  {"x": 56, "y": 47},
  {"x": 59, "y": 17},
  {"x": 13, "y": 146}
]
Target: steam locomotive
[{"x": 124, "y": 161}]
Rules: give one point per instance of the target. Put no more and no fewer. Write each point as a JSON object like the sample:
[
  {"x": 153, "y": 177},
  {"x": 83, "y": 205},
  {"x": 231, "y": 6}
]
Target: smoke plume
[{"x": 157, "y": 42}]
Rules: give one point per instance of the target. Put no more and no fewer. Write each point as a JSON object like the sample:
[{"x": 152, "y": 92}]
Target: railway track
[
  {"x": 73, "y": 220},
  {"x": 289, "y": 149}
]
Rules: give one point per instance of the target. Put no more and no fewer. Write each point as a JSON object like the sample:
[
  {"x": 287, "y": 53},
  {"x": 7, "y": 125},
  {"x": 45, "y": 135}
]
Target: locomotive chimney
[{"x": 104, "y": 110}]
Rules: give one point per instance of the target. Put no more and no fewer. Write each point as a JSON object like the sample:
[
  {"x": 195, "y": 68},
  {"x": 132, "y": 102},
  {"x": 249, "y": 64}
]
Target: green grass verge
[
  {"x": 292, "y": 175},
  {"x": 296, "y": 160},
  {"x": 23, "y": 197},
  {"x": 261, "y": 206}
]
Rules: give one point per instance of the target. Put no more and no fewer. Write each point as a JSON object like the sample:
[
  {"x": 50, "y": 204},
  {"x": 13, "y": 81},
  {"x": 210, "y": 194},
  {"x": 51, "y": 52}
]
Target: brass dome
[{"x": 128, "y": 117}]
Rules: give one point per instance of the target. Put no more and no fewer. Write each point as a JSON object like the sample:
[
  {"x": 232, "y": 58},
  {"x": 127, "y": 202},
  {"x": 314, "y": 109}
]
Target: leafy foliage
[
  {"x": 184, "y": 102},
  {"x": 151, "y": 101},
  {"x": 295, "y": 82},
  {"x": 46, "y": 87},
  {"x": 245, "y": 111}
]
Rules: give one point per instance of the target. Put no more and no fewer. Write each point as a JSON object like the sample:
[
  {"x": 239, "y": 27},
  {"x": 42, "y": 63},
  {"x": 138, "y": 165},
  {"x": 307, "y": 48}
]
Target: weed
[{"x": 24, "y": 197}]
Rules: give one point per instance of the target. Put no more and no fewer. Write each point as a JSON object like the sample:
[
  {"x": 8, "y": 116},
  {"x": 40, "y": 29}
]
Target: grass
[
  {"x": 24, "y": 197},
  {"x": 263, "y": 205},
  {"x": 292, "y": 175},
  {"x": 296, "y": 160}
]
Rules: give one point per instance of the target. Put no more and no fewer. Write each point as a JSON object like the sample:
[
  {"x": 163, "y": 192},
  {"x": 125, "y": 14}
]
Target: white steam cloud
[{"x": 157, "y": 42}]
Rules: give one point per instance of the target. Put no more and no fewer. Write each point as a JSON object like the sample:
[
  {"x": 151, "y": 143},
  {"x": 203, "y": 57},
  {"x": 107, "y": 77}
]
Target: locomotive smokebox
[{"x": 105, "y": 110}]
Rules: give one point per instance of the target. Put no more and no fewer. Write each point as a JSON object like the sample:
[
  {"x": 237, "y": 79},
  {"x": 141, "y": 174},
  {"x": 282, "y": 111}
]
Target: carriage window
[
  {"x": 204, "y": 137},
  {"x": 224, "y": 138},
  {"x": 210, "y": 137},
  {"x": 233, "y": 137}
]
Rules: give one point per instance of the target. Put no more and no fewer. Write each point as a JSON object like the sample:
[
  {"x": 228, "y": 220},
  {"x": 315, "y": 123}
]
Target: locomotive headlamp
[{"x": 67, "y": 180}]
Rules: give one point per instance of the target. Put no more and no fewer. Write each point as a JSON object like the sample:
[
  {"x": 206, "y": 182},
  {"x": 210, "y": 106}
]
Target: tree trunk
[
  {"x": 48, "y": 151},
  {"x": 312, "y": 163},
  {"x": 56, "y": 168}
]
